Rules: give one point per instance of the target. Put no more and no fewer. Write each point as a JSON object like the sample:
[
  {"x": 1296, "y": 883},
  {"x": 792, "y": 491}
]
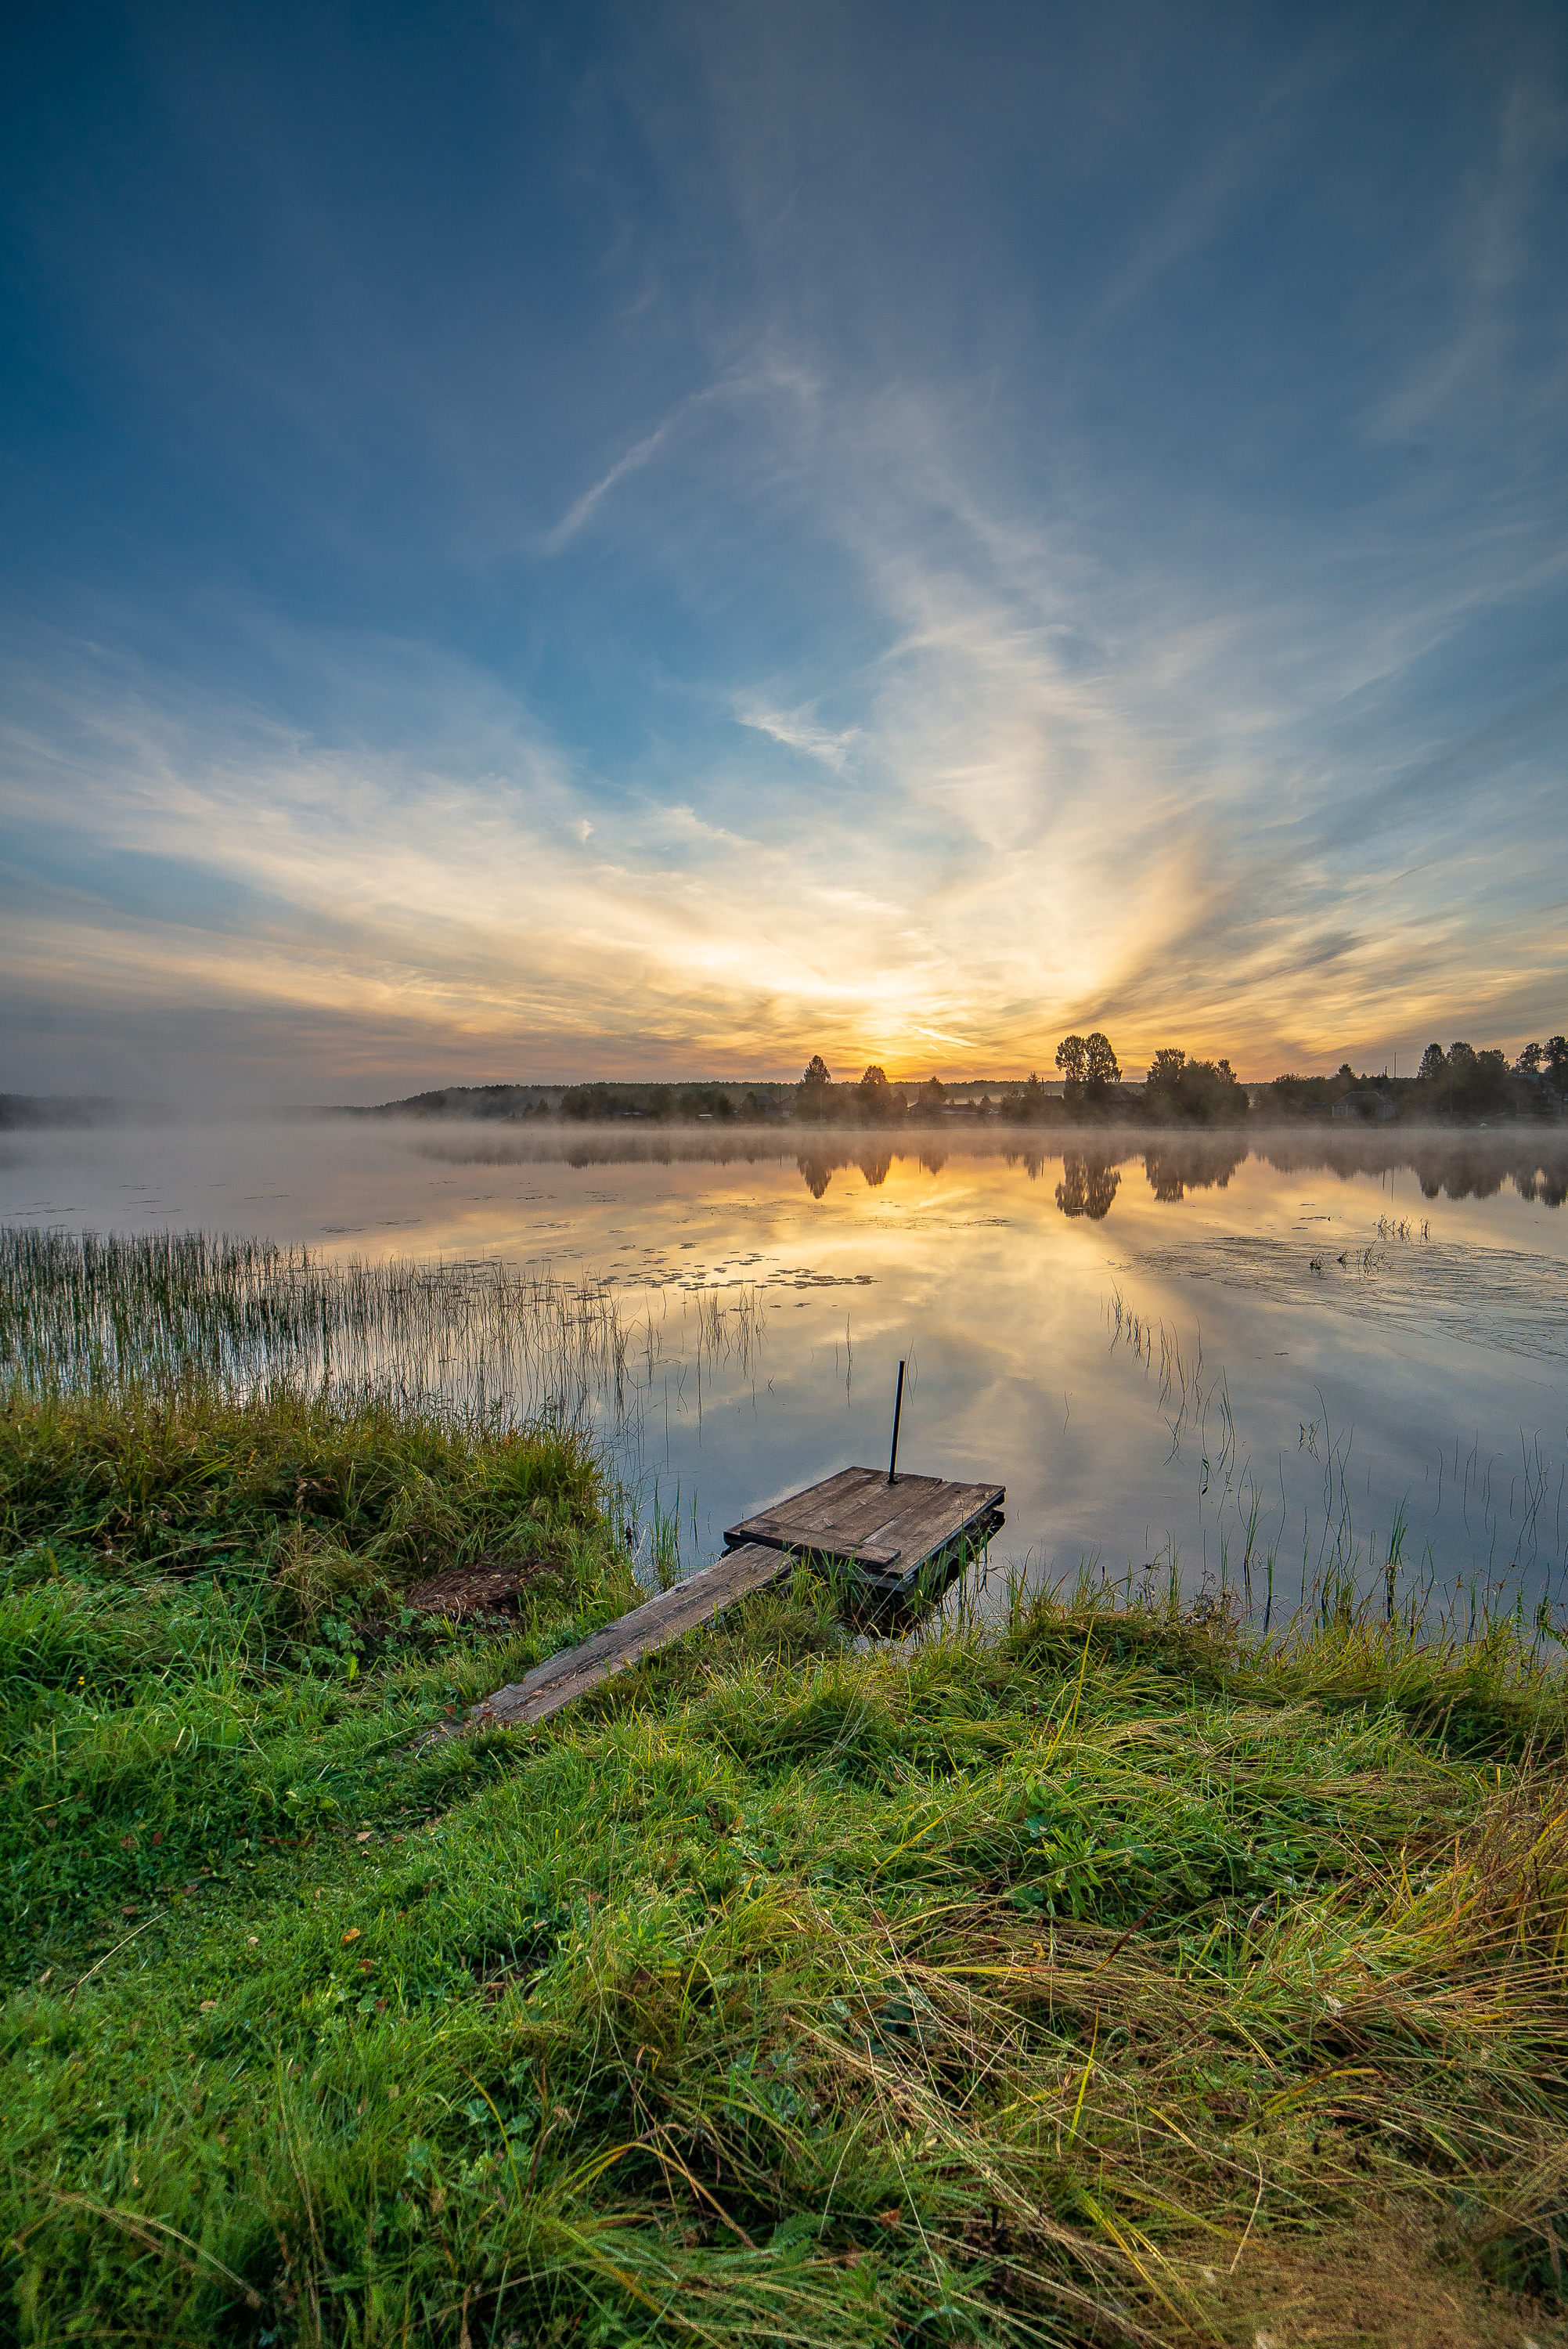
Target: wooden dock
[{"x": 897, "y": 1541}]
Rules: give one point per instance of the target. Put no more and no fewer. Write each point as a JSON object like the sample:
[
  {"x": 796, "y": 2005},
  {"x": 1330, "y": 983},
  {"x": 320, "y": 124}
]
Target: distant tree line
[
  {"x": 1184, "y": 1089},
  {"x": 1461, "y": 1085},
  {"x": 1180, "y": 1088},
  {"x": 668, "y": 1105},
  {"x": 872, "y": 1102}
]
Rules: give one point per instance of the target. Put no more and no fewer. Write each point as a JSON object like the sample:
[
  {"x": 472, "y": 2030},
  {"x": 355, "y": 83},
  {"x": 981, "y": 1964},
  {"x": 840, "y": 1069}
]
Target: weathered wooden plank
[
  {"x": 944, "y": 1516},
  {"x": 877, "y": 1522},
  {"x": 877, "y": 1499},
  {"x": 831, "y": 1493},
  {"x": 941, "y": 1535},
  {"x": 908, "y": 1545},
  {"x": 870, "y": 1531},
  {"x": 849, "y": 1502},
  {"x": 624, "y": 1642},
  {"x": 803, "y": 1513},
  {"x": 818, "y": 1544}
]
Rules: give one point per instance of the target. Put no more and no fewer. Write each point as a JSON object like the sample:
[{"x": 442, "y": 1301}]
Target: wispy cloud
[
  {"x": 761, "y": 375},
  {"x": 686, "y": 823},
  {"x": 798, "y": 730},
  {"x": 578, "y": 516}
]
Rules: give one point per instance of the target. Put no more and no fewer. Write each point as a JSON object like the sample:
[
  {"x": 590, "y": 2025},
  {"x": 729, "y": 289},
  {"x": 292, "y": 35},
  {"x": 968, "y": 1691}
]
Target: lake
[{"x": 1193, "y": 1354}]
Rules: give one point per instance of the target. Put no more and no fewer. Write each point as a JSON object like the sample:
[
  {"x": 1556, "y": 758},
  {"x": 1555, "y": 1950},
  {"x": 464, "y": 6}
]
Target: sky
[{"x": 657, "y": 539}]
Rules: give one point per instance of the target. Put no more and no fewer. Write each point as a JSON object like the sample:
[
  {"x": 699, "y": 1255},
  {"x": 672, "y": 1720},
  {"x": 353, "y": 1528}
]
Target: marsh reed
[{"x": 98, "y": 1315}]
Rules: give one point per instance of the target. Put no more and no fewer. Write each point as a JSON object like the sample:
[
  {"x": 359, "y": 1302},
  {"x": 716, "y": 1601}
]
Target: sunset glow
[{"x": 722, "y": 535}]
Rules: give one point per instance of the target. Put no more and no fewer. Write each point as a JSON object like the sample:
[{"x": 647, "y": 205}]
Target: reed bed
[
  {"x": 80, "y": 1313},
  {"x": 480, "y": 1344}
]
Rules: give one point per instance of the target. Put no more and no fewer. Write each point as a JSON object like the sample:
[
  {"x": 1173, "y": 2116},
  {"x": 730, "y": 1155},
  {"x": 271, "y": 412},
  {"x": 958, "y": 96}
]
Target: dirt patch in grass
[{"x": 486, "y": 1586}]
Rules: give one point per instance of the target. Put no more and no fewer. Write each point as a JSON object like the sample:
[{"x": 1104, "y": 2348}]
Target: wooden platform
[
  {"x": 891, "y": 1536},
  {"x": 898, "y": 1541}
]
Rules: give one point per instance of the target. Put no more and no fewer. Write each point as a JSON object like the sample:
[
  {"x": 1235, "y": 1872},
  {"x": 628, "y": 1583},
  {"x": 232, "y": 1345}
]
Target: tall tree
[
  {"x": 1100, "y": 1068},
  {"x": 816, "y": 1089},
  {"x": 1204, "y": 1091}
]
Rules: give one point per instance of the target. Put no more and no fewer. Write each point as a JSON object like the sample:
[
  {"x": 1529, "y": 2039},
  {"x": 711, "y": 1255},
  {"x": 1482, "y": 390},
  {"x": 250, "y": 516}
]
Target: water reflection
[
  {"x": 1450, "y": 1164},
  {"x": 1198, "y": 1164},
  {"x": 819, "y": 1162},
  {"x": 1087, "y": 1186}
]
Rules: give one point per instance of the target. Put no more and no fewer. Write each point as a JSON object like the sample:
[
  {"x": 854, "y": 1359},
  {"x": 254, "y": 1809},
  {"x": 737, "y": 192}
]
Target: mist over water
[{"x": 1203, "y": 1353}]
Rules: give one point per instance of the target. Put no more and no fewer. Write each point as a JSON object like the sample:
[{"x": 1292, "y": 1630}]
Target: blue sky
[{"x": 647, "y": 540}]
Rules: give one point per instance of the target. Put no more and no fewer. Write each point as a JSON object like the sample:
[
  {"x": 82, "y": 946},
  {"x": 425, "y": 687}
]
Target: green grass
[{"x": 1101, "y": 1978}]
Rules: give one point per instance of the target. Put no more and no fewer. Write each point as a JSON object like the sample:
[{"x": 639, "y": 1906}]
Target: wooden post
[{"x": 897, "y": 1408}]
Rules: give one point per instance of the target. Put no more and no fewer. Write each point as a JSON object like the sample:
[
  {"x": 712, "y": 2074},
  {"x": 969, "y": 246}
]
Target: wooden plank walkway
[
  {"x": 620, "y": 1644},
  {"x": 896, "y": 1539},
  {"x": 889, "y": 1534}
]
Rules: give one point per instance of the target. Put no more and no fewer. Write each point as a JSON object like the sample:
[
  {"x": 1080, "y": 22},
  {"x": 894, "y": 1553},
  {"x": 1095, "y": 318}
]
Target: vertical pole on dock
[{"x": 897, "y": 1408}]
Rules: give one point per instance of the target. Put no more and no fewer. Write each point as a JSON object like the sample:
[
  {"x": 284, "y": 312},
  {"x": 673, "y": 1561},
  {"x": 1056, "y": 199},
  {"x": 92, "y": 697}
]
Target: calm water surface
[{"x": 1155, "y": 1346}]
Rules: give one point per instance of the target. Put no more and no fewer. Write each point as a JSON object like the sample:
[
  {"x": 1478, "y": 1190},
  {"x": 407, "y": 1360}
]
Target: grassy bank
[{"x": 1099, "y": 1980}]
